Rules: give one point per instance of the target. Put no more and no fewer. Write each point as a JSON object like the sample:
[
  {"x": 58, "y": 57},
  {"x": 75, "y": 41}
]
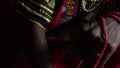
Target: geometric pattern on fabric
[{"x": 38, "y": 12}]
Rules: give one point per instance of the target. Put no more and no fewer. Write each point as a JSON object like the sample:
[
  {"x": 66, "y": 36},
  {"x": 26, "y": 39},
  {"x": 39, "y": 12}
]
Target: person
[{"x": 72, "y": 33}]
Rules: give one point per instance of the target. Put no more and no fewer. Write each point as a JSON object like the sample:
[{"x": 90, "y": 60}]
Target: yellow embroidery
[
  {"x": 38, "y": 23},
  {"x": 46, "y": 13},
  {"x": 48, "y": 20},
  {"x": 42, "y": 6}
]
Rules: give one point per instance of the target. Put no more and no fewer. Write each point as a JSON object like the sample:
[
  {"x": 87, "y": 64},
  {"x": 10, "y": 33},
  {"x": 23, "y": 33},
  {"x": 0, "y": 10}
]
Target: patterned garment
[
  {"x": 69, "y": 10},
  {"x": 91, "y": 54},
  {"x": 37, "y": 11}
]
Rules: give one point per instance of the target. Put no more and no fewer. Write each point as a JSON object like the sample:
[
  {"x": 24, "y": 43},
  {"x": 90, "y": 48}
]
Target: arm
[
  {"x": 39, "y": 12},
  {"x": 41, "y": 58}
]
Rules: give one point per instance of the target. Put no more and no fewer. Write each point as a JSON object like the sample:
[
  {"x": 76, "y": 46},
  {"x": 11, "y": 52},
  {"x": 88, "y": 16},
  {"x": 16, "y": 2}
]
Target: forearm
[{"x": 40, "y": 49}]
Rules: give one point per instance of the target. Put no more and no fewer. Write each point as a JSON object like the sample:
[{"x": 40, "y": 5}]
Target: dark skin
[{"x": 40, "y": 49}]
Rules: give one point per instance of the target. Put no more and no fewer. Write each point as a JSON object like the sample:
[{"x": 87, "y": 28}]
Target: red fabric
[
  {"x": 12, "y": 32},
  {"x": 55, "y": 21},
  {"x": 105, "y": 43},
  {"x": 58, "y": 63}
]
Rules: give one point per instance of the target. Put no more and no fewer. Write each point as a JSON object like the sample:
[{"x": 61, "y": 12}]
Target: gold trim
[
  {"x": 41, "y": 26},
  {"x": 42, "y": 6},
  {"x": 48, "y": 20}
]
